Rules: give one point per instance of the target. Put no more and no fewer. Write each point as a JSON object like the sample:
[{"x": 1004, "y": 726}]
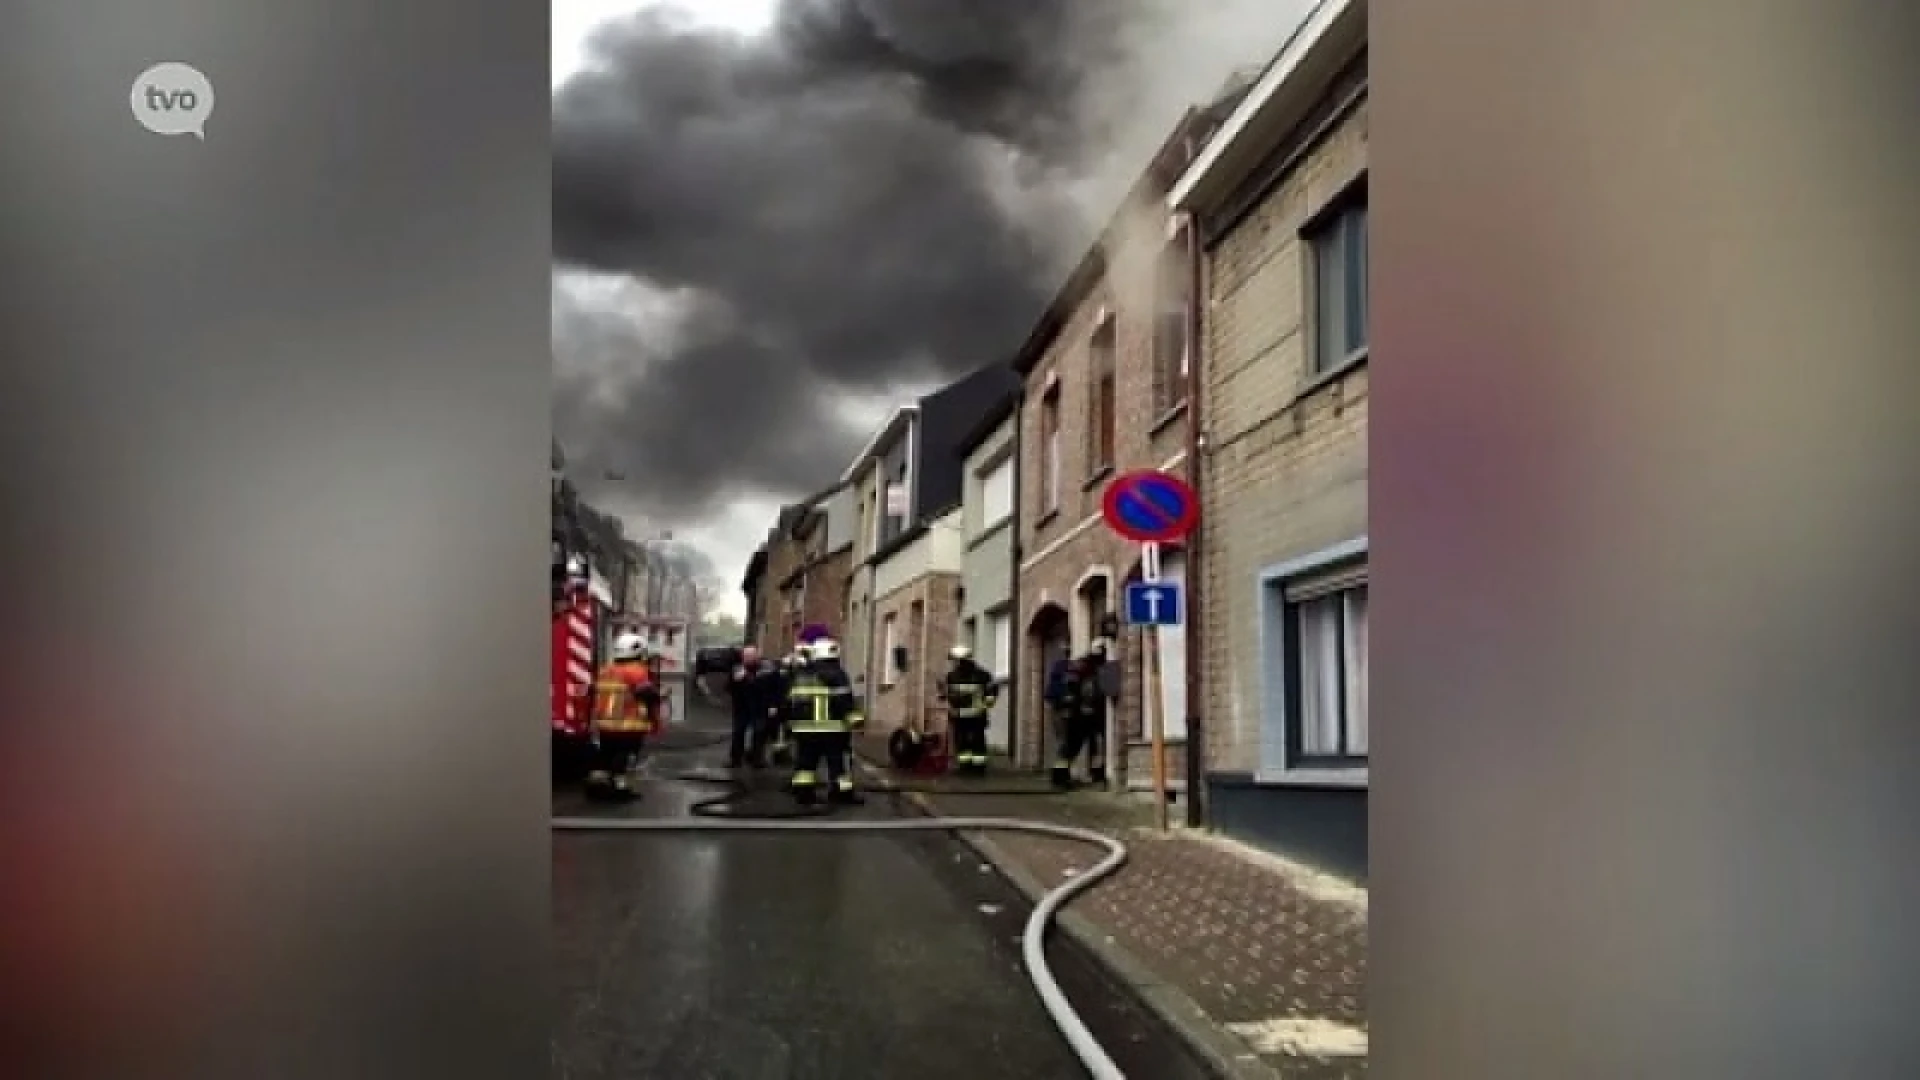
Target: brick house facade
[
  {"x": 784, "y": 555},
  {"x": 1104, "y": 394},
  {"x": 815, "y": 590},
  {"x": 919, "y": 614},
  {"x": 1283, "y": 371}
]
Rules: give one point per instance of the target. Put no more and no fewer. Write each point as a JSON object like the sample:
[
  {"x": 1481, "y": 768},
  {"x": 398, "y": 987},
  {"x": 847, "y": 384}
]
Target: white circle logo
[{"x": 173, "y": 99}]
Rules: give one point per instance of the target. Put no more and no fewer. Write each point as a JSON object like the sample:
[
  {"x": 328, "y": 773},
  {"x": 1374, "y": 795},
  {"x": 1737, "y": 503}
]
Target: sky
[
  {"x": 776, "y": 220},
  {"x": 729, "y": 540}
]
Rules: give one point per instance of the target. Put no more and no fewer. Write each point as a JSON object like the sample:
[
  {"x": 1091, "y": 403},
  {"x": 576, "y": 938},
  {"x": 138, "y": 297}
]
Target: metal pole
[
  {"x": 1156, "y": 712},
  {"x": 1158, "y": 715}
]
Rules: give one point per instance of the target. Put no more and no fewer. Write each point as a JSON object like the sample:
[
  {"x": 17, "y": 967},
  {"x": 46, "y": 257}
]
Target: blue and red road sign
[{"x": 1148, "y": 506}]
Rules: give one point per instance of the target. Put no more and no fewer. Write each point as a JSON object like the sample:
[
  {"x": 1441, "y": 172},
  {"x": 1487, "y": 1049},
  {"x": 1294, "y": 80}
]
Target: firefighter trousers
[
  {"x": 970, "y": 742},
  {"x": 616, "y": 752},
  {"x": 1078, "y": 732},
  {"x": 823, "y": 760}
]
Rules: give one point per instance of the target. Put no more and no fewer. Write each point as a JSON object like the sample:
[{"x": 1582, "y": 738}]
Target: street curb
[{"x": 1227, "y": 1055}]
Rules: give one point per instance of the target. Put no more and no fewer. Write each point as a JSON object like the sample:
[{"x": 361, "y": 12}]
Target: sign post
[{"x": 1152, "y": 508}]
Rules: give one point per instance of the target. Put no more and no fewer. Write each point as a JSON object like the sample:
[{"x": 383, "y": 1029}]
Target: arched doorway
[
  {"x": 1049, "y": 637},
  {"x": 1093, "y": 604}
]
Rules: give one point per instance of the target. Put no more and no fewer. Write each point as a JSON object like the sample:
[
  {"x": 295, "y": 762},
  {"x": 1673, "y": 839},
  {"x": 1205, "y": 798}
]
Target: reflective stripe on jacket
[
  {"x": 970, "y": 694},
  {"x": 820, "y": 706},
  {"x": 622, "y": 698}
]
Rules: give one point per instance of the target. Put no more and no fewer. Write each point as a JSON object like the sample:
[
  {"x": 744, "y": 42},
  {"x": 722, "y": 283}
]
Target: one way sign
[{"x": 1153, "y": 603}]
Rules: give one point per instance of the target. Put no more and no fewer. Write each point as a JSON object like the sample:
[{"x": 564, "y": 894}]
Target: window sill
[
  {"x": 1323, "y": 379},
  {"x": 1099, "y": 476},
  {"x": 1047, "y": 519},
  {"x": 1167, "y": 419},
  {"x": 987, "y": 534},
  {"x": 1348, "y": 777}
]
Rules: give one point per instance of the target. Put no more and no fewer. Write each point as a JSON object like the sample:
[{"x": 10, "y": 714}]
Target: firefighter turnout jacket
[
  {"x": 821, "y": 701},
  {"x": 624, "y": 698},
  {"x": 970, "y": 692}
]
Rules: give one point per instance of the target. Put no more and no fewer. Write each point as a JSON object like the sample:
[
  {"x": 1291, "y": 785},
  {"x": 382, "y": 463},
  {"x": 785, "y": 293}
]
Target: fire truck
[
  {"x": 584, "y": 626},
  {"x": 577, "y": 620}
]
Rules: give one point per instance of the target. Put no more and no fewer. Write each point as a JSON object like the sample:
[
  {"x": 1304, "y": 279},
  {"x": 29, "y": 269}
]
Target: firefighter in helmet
[
  {"x": 1086, "y": 692},
  {"x": 822, "y": 713},
  {"x": 780, "y": 744},
  {"x": 626, "y": 701},
  {"x": 970, "y": 692}
]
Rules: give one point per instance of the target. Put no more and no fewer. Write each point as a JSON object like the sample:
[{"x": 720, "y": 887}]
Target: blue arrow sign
[{"x": 1153, "y": 603}]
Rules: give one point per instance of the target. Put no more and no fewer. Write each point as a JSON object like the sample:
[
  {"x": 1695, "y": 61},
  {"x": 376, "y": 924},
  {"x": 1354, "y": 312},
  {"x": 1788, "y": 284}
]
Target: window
[
  {"x": 889, "y": 641},
  {"x": 996, "y": 493},
  {"x": 1100, "y": 403},
  {"x": 999, "y": 644},
  {"x": 1339, "y": 281},
  {"x": 1173, "y": 291},
  {"x": 916, "y": 633},
  {"x": 1330, "y": 684},
  {"x": 1050, "y": 450}
]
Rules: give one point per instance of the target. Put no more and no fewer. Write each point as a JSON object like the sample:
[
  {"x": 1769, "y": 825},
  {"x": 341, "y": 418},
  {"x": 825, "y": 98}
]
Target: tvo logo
[{"x": 173, "y": 99}]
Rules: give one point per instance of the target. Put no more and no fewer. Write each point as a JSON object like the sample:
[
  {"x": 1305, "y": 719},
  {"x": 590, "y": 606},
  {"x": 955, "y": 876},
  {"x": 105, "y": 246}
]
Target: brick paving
[{"x": 1264, "y": 954}]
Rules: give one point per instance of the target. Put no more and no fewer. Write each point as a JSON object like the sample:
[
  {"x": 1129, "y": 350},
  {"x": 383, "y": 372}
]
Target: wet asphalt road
[{"x": 769, "y": 957}]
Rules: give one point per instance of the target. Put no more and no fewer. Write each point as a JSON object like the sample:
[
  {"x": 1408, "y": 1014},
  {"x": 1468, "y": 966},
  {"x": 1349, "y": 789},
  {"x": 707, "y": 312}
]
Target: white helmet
[
  {"x": 629, "y": 646},
  {"x": 960, "y": 652},
  {"x": 824, "y": 649}
]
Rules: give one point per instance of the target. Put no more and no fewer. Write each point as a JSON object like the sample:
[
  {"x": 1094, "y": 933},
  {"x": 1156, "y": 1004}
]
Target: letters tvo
[{"x": 170, "y": 100}]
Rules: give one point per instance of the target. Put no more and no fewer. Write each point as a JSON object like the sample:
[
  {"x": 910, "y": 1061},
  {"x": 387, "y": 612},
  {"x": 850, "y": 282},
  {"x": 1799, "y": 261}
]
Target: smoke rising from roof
[{"x": 871, "y": 198}]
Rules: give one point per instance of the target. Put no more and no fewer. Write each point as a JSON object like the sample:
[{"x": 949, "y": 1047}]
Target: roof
[
  {"x": 756, "y": 567},
  {"x": 880, "y": 438},
  {"x": 1277, "y": 101},
  {"x": 989, "y": 423}
]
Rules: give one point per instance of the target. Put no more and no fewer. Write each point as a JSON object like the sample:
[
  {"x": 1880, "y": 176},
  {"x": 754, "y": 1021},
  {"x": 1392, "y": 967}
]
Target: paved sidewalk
[{"x": 1261, "y": 964}]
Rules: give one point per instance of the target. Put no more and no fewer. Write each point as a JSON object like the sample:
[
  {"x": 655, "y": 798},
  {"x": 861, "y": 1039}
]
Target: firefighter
[
  {"x": 780, "y": 735},
  {"x": 970, "y": 693},
  {"x": 625, "y": 705},
  {"x": 822, "y": 713},
  {"x": 1082, "y": 712},
  {"x": 757, "y": 690}
]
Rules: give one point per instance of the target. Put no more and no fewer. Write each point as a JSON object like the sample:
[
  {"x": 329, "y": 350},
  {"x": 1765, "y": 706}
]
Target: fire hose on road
[
  {"x": 711, "y": 818},
  {"x": 1099, "y": 1064}
]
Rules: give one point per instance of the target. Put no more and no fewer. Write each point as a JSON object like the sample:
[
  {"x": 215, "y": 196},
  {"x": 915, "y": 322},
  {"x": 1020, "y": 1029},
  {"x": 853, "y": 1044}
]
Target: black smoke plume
[{"x": 871, "y": 195}]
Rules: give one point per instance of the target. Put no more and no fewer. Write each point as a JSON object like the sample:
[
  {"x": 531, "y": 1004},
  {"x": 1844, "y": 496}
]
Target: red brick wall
[
  {"x": 826, "y": 597},
  {"x": 927, "y": 638},
  {"x": 1063, "y": 547},
  {"x": 775, "y": 634}
]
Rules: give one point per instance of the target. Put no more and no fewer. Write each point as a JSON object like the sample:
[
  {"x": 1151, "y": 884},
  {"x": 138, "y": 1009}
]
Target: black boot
[
  {"x": 1097, "y": 777},
  {"x": 847, "y": 796},
  {"x": 1062, "y": 778}
]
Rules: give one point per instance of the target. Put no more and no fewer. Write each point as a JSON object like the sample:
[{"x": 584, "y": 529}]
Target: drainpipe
[
  {"x": 1196, "y": 726},
  {"x": 1016, "y": 630},
  {"x": 873, "y": 595}
]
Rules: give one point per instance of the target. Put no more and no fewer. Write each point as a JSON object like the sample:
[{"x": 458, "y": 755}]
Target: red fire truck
[{"x": 575, "y": 633}]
